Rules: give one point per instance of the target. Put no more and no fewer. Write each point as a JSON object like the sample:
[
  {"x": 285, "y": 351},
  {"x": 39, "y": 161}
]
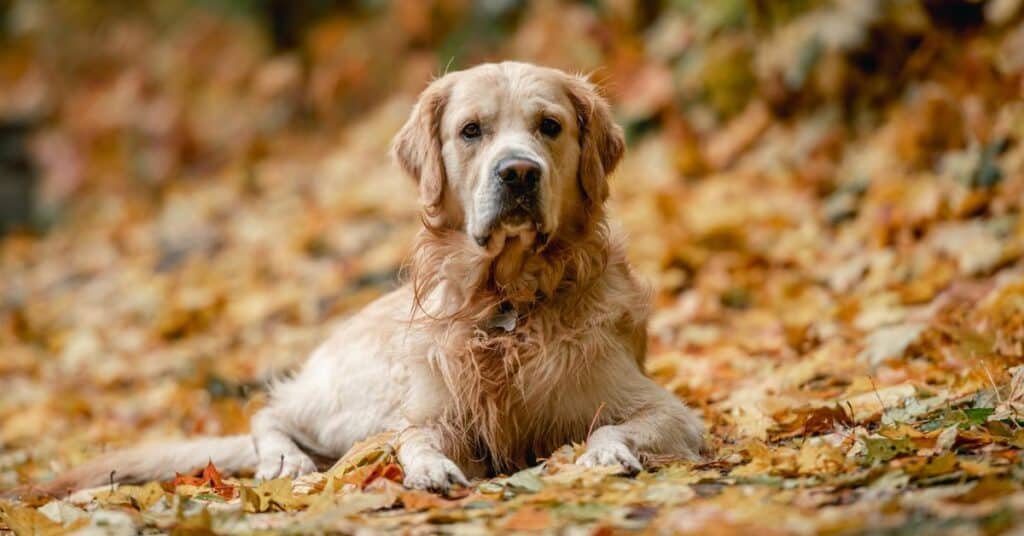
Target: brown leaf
[{"x": 986, "y": 489}]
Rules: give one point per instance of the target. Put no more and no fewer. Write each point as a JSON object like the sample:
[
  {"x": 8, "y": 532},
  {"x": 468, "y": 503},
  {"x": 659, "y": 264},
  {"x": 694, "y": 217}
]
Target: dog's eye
[
  {"x": 550, "y": 128},
  {"x": 471, "y": 131}
]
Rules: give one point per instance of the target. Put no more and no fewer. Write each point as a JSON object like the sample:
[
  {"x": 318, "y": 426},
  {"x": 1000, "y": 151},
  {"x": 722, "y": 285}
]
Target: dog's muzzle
[
  {"x": 519, "y": 178},
  {"x": 512, "y": 208}
]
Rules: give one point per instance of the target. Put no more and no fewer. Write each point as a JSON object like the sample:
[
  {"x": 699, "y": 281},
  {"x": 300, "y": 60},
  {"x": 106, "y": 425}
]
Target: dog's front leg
[
  {"x": 661, "y": 425},
  {"x": 277, "y": 452},
  {"x": 425, "y": 466}
]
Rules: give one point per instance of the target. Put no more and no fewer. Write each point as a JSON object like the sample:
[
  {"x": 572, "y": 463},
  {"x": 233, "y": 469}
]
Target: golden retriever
[{"x": 521, "y": 324}]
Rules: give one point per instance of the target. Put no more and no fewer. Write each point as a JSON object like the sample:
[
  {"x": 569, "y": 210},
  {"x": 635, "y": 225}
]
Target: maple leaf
[{"x": 210, "y": 478}]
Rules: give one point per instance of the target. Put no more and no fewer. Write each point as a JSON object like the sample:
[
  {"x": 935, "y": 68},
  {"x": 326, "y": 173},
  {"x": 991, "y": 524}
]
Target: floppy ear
[
  {"x": 417, "y": 147},
  {"x": 601, "y": 139}
]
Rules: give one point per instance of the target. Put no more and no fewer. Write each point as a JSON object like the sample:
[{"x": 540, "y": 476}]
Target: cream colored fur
[{"x": 469, "y": 398}]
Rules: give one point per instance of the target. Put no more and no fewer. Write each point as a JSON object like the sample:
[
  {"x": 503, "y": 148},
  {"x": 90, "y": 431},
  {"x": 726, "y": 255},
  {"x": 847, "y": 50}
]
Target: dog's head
[{"x": 510, "y": 152}]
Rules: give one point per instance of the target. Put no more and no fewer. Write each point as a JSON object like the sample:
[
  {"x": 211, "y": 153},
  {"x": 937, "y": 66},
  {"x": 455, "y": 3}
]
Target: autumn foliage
[{"x": 826, "y": 196}]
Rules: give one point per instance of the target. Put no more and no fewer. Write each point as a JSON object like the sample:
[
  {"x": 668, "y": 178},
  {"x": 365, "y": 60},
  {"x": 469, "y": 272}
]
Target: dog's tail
[{"x": 156, "y": 462}]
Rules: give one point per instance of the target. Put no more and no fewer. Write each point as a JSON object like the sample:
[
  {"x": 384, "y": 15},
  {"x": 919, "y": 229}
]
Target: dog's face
[{"x": 510, "y": 153}]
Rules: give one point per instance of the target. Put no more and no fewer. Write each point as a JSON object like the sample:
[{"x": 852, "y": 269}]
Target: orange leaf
[
  {"x": 528, "y": 518},
  {"x": 186, "y": 480},
  {"x": 209, "y": 477},
  {"x": 365, "y": 475},
  {"x": 212, "y": 475},
  {"x": 415, "y": 500}
]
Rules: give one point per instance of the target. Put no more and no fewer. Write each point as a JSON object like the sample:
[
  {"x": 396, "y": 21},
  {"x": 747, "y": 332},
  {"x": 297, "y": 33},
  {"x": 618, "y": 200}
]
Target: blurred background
[{"x": 192, "y": 192}]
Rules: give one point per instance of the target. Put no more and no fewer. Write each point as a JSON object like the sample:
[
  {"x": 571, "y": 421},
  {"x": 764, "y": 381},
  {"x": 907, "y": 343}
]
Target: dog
[{"x": 521, "y": 327}]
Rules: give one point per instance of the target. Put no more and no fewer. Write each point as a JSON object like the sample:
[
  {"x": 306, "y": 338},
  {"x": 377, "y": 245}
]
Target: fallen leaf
[
  {"x": 528, "y": 518},
  {"x": 527, "y": 480},
  {"x": 271, "y": 496},
  {"x": 210, "y": 478},
  {"x": 23, "y": 520},
  {"x": 415, "y": 500},
  {"x": 883, "y": 449},
  {"x": 986, "y": 489}
]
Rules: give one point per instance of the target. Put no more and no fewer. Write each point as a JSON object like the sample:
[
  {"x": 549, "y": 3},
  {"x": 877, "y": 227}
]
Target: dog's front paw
[
  {"x": 432, "y": 472},
  {"x": 284, "y": 463},
  {"x": 610, "y": 453}
]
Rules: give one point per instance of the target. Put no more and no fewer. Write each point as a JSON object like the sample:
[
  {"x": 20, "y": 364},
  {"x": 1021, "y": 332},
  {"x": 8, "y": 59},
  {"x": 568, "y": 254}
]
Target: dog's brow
[{"x": 538, "y": 107}]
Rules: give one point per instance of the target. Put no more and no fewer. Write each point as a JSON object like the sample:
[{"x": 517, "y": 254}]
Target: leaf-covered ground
[{"x": 826, "y": 196}]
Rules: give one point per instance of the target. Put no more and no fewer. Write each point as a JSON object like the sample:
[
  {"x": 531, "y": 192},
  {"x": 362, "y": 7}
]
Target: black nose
[{"x": 518, "y": 171}]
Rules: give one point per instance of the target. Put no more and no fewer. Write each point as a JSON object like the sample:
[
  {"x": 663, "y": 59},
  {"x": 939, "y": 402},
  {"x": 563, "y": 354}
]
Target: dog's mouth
[{"x": 521, "y": 233}]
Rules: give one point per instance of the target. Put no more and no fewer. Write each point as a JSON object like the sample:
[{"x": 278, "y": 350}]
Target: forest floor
[{"x": 844, "y": 304}]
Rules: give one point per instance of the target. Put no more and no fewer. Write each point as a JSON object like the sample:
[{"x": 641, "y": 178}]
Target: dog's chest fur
[{"x": 520, "y": 393}]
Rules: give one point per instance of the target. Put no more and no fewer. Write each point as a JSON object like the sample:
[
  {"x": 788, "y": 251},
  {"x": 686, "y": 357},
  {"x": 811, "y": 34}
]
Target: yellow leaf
[
  {"x": 188, "y": 490},
  {"x": 368, "y": 451},
  {"x": 272, "y": 496},
  {"x": 988, "y": 488},
  {"x": 29, "y": 521},
  {"x": 766, "y": 460},
  {"x": 139, "y": 497},
  {"x": 345, "y": 504},
  {"x": 198, "y": 524},
  {"x": 817, "y": 457},
  {"x": 927, "y": 467}
]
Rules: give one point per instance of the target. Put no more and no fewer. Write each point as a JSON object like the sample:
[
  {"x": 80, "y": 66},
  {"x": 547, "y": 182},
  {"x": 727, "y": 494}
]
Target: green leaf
[
  {"x": 883, "y": 449},
  {"x": 978, "y": 416},
  {"x": 527, "y": 480}
]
